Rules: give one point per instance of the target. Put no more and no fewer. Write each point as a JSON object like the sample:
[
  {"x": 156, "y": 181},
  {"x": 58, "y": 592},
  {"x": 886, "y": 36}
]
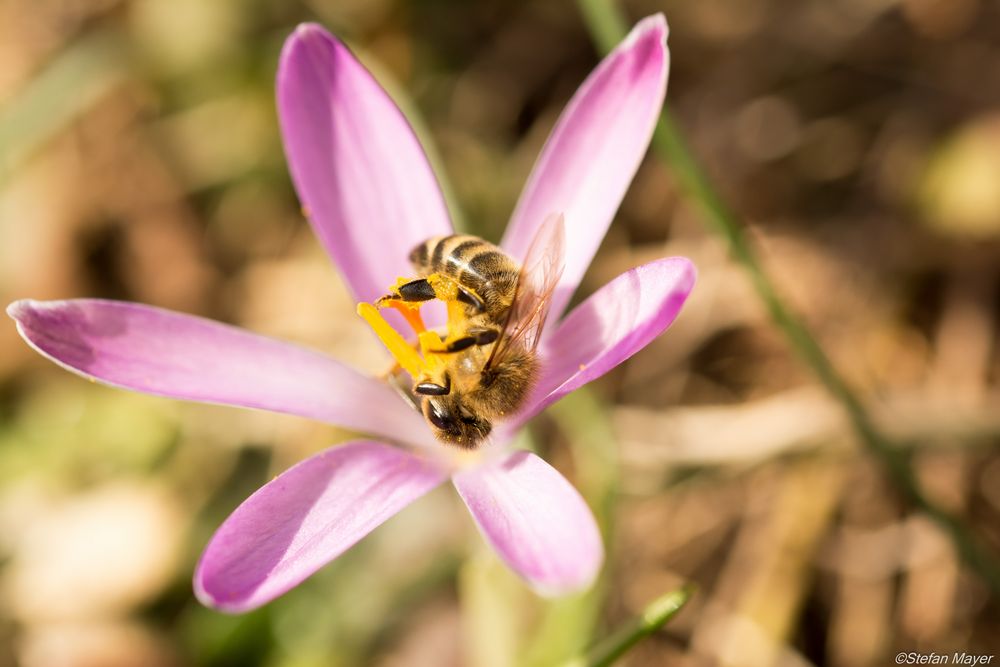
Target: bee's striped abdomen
[{"x": 473, "y": 263}]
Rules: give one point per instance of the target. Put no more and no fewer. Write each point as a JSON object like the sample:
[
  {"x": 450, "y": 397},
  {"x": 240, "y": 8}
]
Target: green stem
[
  {"x": 608, "y": 27},
  {"x": 652, "y": 619},
  {"x": 566, "y": 625}
]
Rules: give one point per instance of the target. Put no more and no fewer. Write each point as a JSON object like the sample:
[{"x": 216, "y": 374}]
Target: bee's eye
[{"x": 438, "y": 416}]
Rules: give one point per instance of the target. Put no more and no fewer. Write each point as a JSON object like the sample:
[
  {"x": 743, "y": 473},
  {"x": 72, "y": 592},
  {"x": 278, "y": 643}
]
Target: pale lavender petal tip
[
  {"x": 536, "y": 522},
  {"x": 594, "y": 151},
  {"x": 654, "y": 26},
  {"x": 306, "y": 517},
  {"x": 614, "y": 323},
  {"x": 360, "y": 172},
  {"x": 160, "y": 352}
]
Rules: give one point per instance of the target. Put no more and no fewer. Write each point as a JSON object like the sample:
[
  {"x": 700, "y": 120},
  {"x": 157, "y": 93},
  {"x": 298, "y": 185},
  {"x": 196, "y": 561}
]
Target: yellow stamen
[
  {"x": 430, "y": 360},
  {"x": 429, "y": 342},
  {"x": 401, "y": 351}
]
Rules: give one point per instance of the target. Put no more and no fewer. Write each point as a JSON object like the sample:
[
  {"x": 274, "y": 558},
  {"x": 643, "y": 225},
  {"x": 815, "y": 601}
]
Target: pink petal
[
  {"x": 304, "y": 518},
  {"x": 609, "y": 327},
  {"x": 535, "y": 520},
  {"x": 594, "y": 151},
  {"x": 360, "y": 172},
  {"x": 159, "y": 352}
]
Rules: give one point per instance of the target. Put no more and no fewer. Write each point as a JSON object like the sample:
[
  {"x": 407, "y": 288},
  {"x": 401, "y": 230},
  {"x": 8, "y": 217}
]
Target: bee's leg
[
  {"x": 428, "y": 388},
  {"x": 467, "y": 297},
  {"x": 434, "y": 286},
  {"x": 407, "y": 299},
  {"x": 476, "y": 337},
  {"x": 415, "y": 290},
  {"x": 448, "y": 290},
  {"x": 485, "y": 336}
]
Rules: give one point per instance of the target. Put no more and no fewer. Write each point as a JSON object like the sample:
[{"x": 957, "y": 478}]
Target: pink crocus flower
[{"x": 371, "y": 197}]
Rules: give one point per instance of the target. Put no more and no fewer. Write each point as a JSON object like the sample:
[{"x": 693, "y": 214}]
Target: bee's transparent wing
[{"x": 540, "y": 273}]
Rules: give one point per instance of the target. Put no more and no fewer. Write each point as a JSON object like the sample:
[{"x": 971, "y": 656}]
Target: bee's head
[{"x": 454, "y": 423}]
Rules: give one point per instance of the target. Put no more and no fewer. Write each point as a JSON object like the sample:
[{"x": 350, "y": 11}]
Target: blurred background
[{"x": 858, "y": 140}]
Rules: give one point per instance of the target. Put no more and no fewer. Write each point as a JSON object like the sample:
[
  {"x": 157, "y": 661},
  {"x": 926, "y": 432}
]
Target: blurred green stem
[
  {"x": 658, "y": 612},
  {"x": 565, "y": 625},
  {"x": 607, "y": 27}
]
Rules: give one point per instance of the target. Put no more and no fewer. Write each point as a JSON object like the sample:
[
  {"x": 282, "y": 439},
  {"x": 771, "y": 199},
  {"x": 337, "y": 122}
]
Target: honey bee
[{"x": 496, "y": 312}]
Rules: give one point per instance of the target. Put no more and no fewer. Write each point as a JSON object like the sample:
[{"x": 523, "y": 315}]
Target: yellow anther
[
  {"x": 400, "y": 350},
  {"x": 429, "y": 342}
]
